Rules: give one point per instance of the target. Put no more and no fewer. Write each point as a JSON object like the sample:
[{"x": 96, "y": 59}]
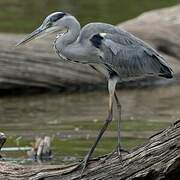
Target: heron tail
[{"x": 165, "y": 71}]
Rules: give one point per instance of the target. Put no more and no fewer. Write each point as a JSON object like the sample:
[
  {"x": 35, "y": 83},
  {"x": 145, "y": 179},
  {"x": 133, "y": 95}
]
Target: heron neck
[{"x": 73, "y": 31}]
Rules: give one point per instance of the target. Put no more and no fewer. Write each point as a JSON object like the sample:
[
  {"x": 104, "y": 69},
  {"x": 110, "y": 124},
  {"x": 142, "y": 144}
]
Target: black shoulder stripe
[{"x": 96, "y": 40}]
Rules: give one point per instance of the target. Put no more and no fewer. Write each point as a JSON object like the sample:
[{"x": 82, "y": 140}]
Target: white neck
[{"x": 73, "y": 31}]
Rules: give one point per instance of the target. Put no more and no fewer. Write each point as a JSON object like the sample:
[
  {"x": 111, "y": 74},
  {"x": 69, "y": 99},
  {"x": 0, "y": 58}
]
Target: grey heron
[{"x": 112, "y": 51}]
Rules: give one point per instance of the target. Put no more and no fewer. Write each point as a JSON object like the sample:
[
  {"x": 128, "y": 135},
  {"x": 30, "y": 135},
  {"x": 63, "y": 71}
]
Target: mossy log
[
  {"x": 158, "y": 158},
  {"x": 36, "y": 65}
]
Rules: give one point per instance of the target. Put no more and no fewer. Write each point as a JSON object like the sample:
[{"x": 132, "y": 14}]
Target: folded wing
[{"x": 131, "y": 57}]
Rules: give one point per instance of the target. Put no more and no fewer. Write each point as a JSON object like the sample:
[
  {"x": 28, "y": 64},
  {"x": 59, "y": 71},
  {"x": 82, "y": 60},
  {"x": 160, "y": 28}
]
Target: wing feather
[
  {"x": 133, "y": 59},
  {"x": 124, "y": 53}
]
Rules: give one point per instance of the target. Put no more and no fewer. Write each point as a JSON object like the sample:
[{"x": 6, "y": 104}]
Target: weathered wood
[
  {"x": 41, "y": 149},
  {"x": 36, "y": 65},
  {"x": 158, "y": 158}
]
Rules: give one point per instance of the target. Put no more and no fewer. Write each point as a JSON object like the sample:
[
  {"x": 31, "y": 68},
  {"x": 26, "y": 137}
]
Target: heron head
[{"x": 52, "y": 23}]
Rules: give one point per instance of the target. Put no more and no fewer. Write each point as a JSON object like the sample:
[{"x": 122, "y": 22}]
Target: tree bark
[
  {"x": 37, "y": 66},
  {"x": 158, "y": 158}
]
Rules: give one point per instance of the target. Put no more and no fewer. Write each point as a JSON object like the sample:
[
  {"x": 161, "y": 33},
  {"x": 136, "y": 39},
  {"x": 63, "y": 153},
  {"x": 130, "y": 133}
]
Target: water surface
[{"x": 73, "y": 120}]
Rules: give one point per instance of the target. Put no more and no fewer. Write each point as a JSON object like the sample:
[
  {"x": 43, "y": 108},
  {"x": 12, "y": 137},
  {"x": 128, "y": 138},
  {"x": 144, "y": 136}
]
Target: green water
[
  {"x": 23, "y": 16},
  {"x": 73, "y": 120}
]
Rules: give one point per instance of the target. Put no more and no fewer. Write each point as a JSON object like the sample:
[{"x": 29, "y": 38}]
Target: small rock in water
[
  {"x": 87, "y": 136},
  {"x": 76, "y": 129},
  {"x": 95, "y": 120},
  {"x": 69, "y": 158}
]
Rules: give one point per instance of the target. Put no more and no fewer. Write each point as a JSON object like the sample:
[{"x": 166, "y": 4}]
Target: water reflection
[
  {"x": 147, "y": 103},
  {"x": 79, "y": 116}
]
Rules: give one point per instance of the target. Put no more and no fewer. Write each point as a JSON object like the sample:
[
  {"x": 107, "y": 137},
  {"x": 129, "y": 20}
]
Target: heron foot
[
  {"x": 83, "y": 164},
  {"x": 118, "y": 151}
]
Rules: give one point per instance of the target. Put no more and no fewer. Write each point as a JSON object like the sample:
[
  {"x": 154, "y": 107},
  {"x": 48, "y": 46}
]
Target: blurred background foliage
[{"x": 23, "y": 16}]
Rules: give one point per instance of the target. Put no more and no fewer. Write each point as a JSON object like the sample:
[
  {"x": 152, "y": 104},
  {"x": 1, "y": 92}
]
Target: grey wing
[{"x": 130, "y": 57}]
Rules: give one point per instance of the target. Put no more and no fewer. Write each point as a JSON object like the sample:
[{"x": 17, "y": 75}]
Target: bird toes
[
  {"x": 117, "y": 152},
  {"x": 83, "y": 165}
]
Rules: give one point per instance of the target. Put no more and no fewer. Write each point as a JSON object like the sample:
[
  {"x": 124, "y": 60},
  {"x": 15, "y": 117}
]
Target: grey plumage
[
  {"x": 114, "y": 52},
  {"x": 104, "y": 45},
  {"x": 125, "y": 54},
  {"x": 108, "y": 49}
]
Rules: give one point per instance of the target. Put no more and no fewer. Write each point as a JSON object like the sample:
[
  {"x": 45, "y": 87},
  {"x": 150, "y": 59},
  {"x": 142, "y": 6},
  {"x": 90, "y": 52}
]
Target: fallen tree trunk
[
  {"x": 158, "y": 158},
  {"x": 36, "y": 65}
]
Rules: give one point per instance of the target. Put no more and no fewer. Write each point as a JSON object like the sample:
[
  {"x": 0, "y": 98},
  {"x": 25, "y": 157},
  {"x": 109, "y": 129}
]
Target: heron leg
[
  {"x": 118, "y": 148},
  {"x": 111, "y": 88},
  {"x": 119, "y": 127}
]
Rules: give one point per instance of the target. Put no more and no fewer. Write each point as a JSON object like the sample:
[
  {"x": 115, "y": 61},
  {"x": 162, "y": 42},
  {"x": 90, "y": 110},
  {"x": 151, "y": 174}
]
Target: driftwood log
[
  {"x": 41, "y": 149},
  {"x": 36, "y": 65},
  {"x": 157, "y": 159}
]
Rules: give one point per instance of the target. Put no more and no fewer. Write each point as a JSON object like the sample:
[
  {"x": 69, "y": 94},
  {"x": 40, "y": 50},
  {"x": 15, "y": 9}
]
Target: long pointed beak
[{"x": 31, "y": 36}]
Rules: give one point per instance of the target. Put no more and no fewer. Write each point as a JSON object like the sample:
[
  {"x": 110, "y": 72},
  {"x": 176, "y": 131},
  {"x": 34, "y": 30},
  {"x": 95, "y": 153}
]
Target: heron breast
[{"x": 62, "y": 56}]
